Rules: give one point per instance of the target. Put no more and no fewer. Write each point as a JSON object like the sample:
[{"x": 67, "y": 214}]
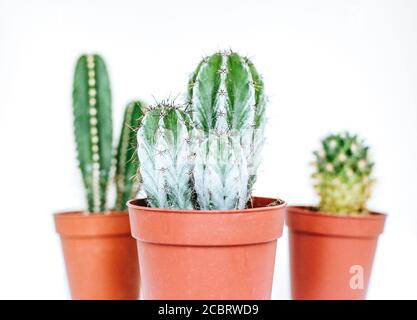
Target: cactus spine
[
  {"x": 93, "y": 127},
  {"x": 343, "y": 177},
  {"x": 127, "y": 182},
  {"x": 164, "y": 151}
]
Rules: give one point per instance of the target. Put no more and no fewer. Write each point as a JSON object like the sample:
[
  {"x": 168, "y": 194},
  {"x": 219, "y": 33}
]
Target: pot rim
[
  {"x": 77, "y": 224},
  {"x": 205, "y": 228},
  {"x": 261, "y": 209},
  {"x": 303, "y": 219},
  {"x": 314, "y": 210},
  {"x": 71, "y": 214}
]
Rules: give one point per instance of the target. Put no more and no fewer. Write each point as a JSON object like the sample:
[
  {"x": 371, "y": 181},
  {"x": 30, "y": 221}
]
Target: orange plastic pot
[
  {"x": 331, "y": 256},
  {"x": 100, "y": 255},
  {"x": 188, "y": 254}
]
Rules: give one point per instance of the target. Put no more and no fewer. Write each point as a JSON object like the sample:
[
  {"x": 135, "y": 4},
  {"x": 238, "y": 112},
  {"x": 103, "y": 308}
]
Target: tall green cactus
[
  {"x": 127, "y": 163},
  {"x": 226, "y": 95},
  {"x": 93, "y": 127},
  {"x": 343, "y": 176},
  {"x": 164, "y": 157}
]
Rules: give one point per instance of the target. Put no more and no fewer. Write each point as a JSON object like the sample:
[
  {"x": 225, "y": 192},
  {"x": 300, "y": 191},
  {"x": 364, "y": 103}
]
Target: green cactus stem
[
  {"x": 343, "y": 176},
  {"x": 93, "y": 128},
  {"x": 164, "y": 157},
  {"x": 226, "y": 94},
  {"x": 127, "y": 162}
]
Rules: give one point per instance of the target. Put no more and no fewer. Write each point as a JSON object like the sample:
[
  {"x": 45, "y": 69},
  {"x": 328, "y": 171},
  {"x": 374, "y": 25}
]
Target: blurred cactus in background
[
  {"x": 127, "y": 163},
  {"x": 343, "y": 177},
  {"x": 94, "y": 133},
  {"x": 205, "y": 155},
  {"x": 93, "y": 128}
]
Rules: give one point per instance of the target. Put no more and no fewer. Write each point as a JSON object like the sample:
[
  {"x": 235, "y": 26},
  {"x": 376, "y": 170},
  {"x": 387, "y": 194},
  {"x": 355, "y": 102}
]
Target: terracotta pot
[
  {"x": 100, "y": 255},
  {"x": 331, "y": 256},
  {"x": 189, "y": 254}
]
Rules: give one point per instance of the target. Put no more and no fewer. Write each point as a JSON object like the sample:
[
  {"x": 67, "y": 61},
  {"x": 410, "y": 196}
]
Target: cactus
[
  {"x": 205, "y": 155},
  {"x": 127, "y": 182},
  {"x": 93, "y": 128},
  {"x": 164, "y": 156},
  {"x": 343, "y": 177},
  {"x": 226, "y": 95}
]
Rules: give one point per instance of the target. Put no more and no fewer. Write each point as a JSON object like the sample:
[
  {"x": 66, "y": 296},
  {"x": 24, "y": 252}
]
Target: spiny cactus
[
  {"x": 205, "y": 155},
  {"x": 127, "y": 182},
  {"x": 164, "y": 154},
  {"x": 343, "y": 177},
  {"x": 226, "y": 94},
  {"x": 93, "y": 127}
]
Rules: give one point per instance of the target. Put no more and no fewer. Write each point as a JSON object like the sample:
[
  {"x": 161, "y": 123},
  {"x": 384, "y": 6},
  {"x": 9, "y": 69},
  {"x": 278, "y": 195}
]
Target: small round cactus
[{"x": 343, "y": 176}]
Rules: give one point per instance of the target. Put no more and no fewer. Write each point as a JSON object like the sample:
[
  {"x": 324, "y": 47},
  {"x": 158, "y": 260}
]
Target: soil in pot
[
  {"x": 100, "y": 255},
  {"x": 331, "y": 256},
  {"x": 188, "y": 254}
]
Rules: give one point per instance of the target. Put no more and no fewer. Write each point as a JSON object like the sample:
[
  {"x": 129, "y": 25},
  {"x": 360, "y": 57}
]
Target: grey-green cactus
[
  {"x": 93, "y": 127},
  {"x": 205, "y": 155},
  {"x": 343, "y": 176},
  {"x": 127, "y": 182},
  {"x": 226, "y": 95},
  {"x": 164, "y": 156}
]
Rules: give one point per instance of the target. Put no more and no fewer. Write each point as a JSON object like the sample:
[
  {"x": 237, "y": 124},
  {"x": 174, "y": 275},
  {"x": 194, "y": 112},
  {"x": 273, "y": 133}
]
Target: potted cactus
[
  {"x": 200, "y": 233},
  {"x": 99, "y": 252},
  {"x": 332, "y": 246}
]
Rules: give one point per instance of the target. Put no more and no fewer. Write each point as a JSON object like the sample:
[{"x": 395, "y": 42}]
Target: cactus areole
[{"x": 201, "y": 234}]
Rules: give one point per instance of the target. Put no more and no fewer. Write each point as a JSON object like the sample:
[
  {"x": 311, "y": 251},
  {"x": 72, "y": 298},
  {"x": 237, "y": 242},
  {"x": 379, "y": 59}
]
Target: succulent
[
  {"x": 94, "y": 133},
  {"x": 93, "y": 128},
  {"x": 205, "y": 155},
  {"x": 343, "y": 177},
  {"x": 127, "y": 182}
]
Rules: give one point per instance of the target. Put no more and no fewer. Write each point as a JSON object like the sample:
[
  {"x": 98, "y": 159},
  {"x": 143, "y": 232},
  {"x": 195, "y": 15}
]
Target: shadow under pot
[
  {"x": 100, "y": 255},
  {"x": 193, "y": 254},
  {"x": 331, "y": 256}
]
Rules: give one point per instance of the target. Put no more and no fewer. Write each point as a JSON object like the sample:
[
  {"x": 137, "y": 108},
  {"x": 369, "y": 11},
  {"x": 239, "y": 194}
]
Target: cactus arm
[
  {"x": 93, "y": 128},
  {"x": 164, "y": 158},
  {"x": 127, "y": 182}
]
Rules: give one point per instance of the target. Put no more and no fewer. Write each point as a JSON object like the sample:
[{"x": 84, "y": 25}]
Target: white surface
[{"x": 328, "y": 66}]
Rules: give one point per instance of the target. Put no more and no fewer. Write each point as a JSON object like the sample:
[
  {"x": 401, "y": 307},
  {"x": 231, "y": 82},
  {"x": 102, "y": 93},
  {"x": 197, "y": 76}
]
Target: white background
[{"x": 328, "y": 66}]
